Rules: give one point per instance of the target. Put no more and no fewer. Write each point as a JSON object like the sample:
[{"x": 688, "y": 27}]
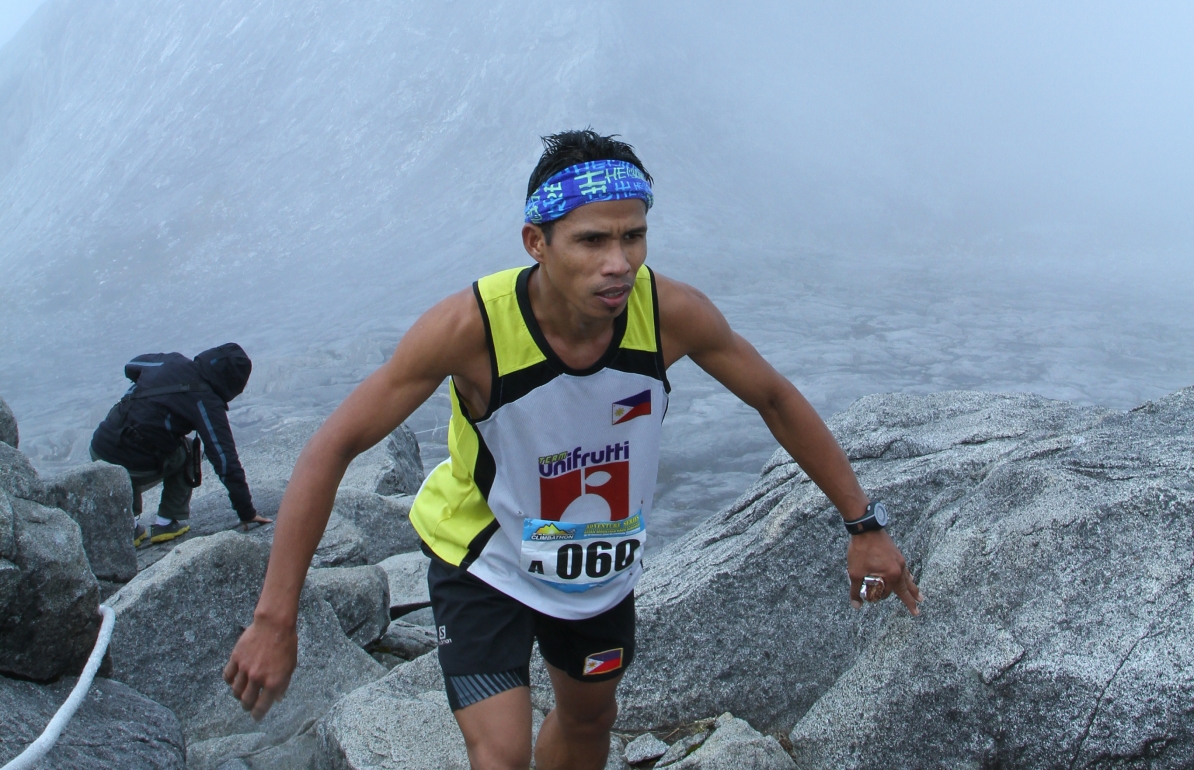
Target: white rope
[{"x": 39, "y": 748}]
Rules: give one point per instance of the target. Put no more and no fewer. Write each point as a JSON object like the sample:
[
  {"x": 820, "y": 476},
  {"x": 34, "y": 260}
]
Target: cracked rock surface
[{"x": 1052, "y": 544}]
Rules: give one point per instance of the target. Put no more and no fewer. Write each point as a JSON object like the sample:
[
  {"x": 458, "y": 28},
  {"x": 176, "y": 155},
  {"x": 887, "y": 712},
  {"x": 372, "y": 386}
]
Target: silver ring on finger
[{"x": 874, "y": 589}]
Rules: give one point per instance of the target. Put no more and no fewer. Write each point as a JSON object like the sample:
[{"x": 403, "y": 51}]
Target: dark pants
[{"x": 176, "y": 492}]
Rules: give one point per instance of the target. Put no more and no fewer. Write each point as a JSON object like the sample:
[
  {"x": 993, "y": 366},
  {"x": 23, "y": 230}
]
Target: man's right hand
[{"x": 261, "y": 664}]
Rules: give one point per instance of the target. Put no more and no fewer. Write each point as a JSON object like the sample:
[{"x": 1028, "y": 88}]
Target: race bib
[{"x": 577, "y": 557}]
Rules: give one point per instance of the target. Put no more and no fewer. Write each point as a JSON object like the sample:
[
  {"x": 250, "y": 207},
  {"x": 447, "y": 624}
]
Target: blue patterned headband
[{"x": 596, "y": 180}]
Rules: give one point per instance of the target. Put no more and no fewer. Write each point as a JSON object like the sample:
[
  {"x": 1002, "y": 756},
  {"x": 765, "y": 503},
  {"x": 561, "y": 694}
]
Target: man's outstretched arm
[
  {"x": 693, "y": 326},
  {"x": 439, "y": 344}
]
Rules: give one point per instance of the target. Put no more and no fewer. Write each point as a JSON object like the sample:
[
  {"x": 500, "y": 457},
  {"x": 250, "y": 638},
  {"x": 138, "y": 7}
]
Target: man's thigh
[
  {"x": 485, "y": 640},
  {"x": 485, "y": 637}
]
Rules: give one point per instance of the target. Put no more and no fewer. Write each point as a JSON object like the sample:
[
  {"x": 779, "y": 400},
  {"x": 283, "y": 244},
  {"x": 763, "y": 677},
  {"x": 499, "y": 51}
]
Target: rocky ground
[{"x": 1052, "y": 542}]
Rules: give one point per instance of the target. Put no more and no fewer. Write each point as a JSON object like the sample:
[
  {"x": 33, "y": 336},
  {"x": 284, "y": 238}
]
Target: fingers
[
  {"x": 908, "y": 592},
  {"x": 855, "y": 592},
  {"x": 260, "y": 666},
  {"x": 254, "y": 696},
  {"x": 247, "y": 691},
  {"x": 902, "y": 585},
  {"x": 265, "y": 701}
]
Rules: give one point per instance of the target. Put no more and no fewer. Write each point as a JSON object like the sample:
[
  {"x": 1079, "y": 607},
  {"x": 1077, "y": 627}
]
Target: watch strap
[{"x": 868, "y": 523}]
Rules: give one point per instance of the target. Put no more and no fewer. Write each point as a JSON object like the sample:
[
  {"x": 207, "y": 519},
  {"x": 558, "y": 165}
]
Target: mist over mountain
[{"x": 879, "y": 198}]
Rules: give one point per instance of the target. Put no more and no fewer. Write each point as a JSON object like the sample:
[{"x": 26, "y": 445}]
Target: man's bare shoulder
[
  {"x": 688, "y": 320},
  {"x": 449, "y": 338},
  {"x": 677, "y": 296}
]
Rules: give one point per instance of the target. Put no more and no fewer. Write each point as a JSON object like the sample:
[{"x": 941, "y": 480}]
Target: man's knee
[
  {"x": 497, "y": 730},
  {"x": 592, "y": 721},
  {"x": 497, "y": 752}
]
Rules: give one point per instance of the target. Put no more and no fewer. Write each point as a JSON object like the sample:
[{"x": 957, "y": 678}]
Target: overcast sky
[{"x": 14, "y": 13}]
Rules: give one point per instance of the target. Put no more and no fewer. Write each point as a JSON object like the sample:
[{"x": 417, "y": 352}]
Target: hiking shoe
[
  {"x": 160, "y": 534},
  {"x": 139, "y": 535}
]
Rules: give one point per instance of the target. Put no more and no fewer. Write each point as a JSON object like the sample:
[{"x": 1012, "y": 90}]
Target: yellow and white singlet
[{"x": 546, "y": 496}]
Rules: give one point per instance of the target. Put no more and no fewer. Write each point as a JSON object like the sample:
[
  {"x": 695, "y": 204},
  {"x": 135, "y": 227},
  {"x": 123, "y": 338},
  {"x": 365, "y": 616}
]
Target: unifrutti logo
[
  {"x": 629, "y": 408},
  {"x": 562, "y": 462},
  {"x": 603, "y": 662},
  {"x": 567, "y": 476}
]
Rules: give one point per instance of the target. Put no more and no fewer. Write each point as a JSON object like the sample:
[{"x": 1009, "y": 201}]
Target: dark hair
[{"x": 569, "y": 148}]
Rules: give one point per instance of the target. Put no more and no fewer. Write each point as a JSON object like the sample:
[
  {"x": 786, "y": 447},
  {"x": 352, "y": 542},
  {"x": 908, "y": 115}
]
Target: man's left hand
[{"x": 874, "y": 553}]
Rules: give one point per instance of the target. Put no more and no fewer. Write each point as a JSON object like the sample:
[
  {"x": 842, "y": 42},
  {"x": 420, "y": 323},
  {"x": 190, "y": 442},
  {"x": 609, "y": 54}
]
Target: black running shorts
[{"x": 485, "y": 638}]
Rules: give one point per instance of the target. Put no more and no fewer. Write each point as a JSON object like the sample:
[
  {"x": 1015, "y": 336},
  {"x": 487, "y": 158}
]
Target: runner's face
[{"x": 594, "y": 254}]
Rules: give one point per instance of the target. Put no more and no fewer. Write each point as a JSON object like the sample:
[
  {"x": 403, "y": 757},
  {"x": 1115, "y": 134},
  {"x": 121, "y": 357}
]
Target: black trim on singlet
[
  {"x": 517, "y": 384},
  {"x": 636, "y": 362},
  {"x": 486, "y": 468},
  {"x": 528, "y": 317},
  {"x": 493, "y": 365},
  {"x": 478, "y": 544},
  {"x": 660, "y": 363}
]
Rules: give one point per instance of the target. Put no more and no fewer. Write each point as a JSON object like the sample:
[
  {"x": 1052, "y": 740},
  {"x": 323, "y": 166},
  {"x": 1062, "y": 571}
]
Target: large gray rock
[
  {"x": 49, "y": 608},
  {"x": 407, "y": 574},
  {"x": 365, "y": 527},
  {"x": 684, "y": 746},
  {"x": 8, "y": 426},
  {"x": 405, "y": 640},
  {"x": 99, "y": 497},
  {"x": 383, "y": 521},
  {"x": 17, "y": 475},
  {"x": 734, "y": 745},
  {"x": 268, "y": 463},
  {"x": 214, "y": 752},
  {"x": 390, "y": 730},
  {"x": 360, "y": 597},
  {"x": 271, "y": 458},
  {"x": 1056, "y": 630},
  {"x": 8, "y": 530},
  {"x": 115, "y": 727},
  {"x": 399, "y": 722},
  {"x": 177, "y": 622},
  {"x": 643, "y": 748},
  {"x": 748, "y": 612},
  {"x": 10, "y": 573},
  {"x": 343, "y": 543},
  {"x": 298, "y": 753},
  {"x": 405, "y": 475}
]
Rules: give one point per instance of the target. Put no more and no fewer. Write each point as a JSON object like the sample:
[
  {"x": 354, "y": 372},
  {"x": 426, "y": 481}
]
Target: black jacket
[{"x": 171, "y": 396}]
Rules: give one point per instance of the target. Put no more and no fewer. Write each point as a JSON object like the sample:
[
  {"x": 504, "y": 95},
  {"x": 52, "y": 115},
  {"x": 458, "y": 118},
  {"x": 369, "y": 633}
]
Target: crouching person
[{"x": 145, "y": 431}]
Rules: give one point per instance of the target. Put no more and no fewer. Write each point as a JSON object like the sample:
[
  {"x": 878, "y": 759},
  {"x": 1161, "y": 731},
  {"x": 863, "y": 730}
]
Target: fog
[
  {"x": 13, "y": 14},
  {"x": 881, "y": 197}
]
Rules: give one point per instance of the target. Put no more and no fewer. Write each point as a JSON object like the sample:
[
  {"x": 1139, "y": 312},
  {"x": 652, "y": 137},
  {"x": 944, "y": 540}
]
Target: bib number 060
[{"x": 597, "y": 560}]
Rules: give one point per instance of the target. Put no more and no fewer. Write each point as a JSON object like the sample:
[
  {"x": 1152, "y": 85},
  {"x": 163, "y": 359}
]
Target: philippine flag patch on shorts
[{"x": 603, "y": 662}]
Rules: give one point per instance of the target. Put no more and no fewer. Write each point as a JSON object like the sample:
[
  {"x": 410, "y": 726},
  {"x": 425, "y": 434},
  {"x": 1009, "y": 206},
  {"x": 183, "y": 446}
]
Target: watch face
[{"x": 881, "y": 514}]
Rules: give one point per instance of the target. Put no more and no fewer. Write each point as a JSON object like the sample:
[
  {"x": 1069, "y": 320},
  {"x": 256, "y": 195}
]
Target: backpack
[{"x": 141, "y": 429}]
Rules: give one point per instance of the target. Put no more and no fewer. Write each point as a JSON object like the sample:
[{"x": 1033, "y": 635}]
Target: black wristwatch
[{"x": 875, "y": 518}]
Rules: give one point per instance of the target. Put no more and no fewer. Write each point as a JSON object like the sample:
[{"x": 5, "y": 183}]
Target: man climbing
[
  {"x": 535, "y": 524},
  {"x": 171, "y": 396}
]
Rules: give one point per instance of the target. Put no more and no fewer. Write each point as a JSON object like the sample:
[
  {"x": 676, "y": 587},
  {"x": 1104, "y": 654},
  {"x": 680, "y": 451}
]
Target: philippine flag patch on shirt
[
  {"x": 629, "y": 408},
  {"x": 603, "y": 662}
]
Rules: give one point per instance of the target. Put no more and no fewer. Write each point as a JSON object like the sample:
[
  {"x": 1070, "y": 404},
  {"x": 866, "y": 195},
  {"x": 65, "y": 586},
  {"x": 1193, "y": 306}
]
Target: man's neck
[{"x": 578, "y": 339}]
